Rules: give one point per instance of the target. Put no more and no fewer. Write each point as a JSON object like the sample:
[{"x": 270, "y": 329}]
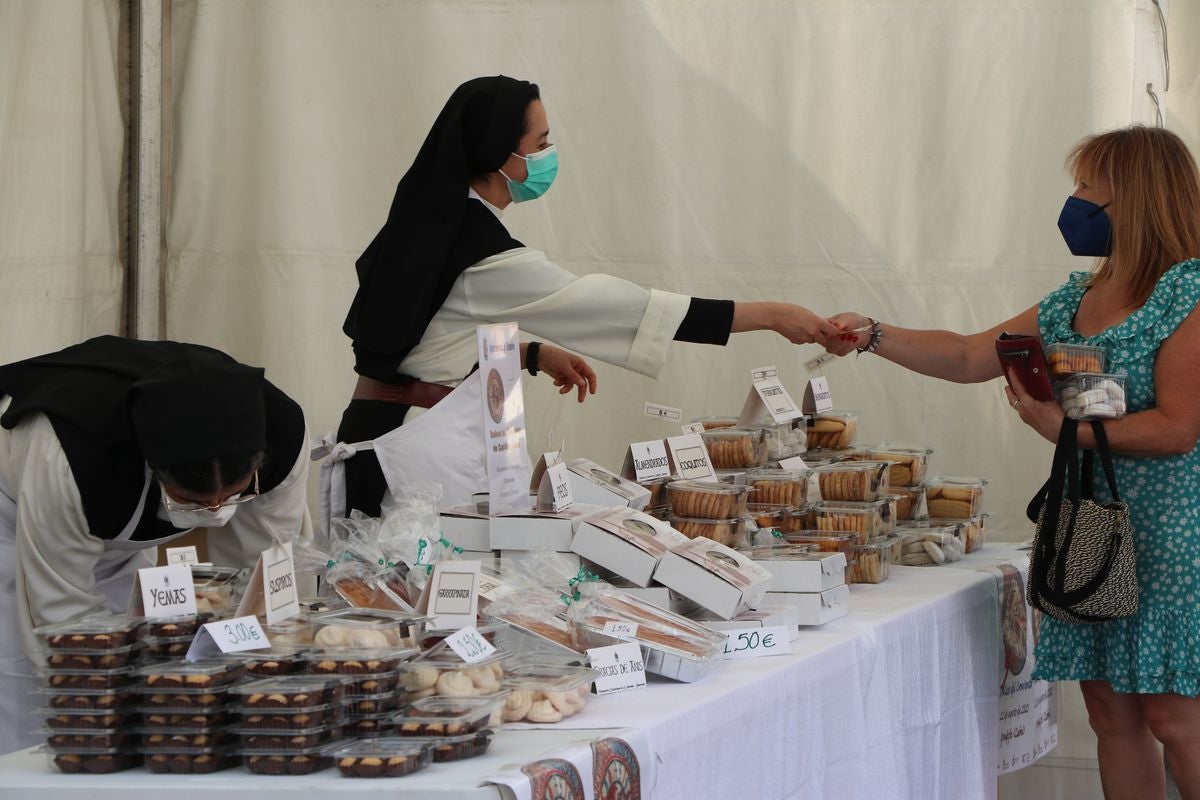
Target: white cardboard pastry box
[
  {"x": 592, "y": 483},
  {"x": 815, "y": 608},
  {"x": 716, "y": 577},
  {"x": 468, "y": 526},
  {"x": 664, "y": 598},
  {"x": 626, "y": 542},
  {"x": 538, "y": 530},
  {"x": 765, "y": 616},
  {"x": 801, "y": 572}
]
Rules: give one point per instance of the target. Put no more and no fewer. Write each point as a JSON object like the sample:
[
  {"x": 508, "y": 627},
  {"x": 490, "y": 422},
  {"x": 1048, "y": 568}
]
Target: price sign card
[
  {"x": 271, "y": 591},
  {"x": 228, "y": 636},
  {"x": 619, "y": 667},
  {"x": 554, "y": 493},
  {"x": 755, "y": 642},
  {"x": 167, "y": 591},
  {"x": 470, "y": 645},
  {"x": 503, "y": 408},
  {"x": 182, "y": 555},
  {"x": 689, "y": 458},
  {"x": 763, "y": 373},
  {"x": 818, "y": 398},
  {"x": 621, "y": 630},
  {"x": 665, "y": 413},
  {"x": 693, "y": 427},
  {"x": 795, "y": 462},
  {"x": 768, "y": 397},
  {"x": 646, "y": 461}
]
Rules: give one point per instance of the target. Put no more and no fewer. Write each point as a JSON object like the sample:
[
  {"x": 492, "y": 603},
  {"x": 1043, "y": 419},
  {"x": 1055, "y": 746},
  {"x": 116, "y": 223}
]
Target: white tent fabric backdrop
[{"x": 900, "y": 158}]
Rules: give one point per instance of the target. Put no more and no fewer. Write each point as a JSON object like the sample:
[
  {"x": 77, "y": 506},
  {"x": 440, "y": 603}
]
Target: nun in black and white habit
[
  {"x": 113, "y": 446},
  {"x": 444, "y": 263}
]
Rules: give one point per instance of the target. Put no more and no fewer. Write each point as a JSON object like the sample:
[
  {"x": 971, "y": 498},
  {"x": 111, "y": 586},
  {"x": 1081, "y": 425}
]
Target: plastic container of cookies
[
  {"x": 93, "y": 761},
  {"x": 450, "y": 716},
  {"x": 365, "y": 628},
  {"x": 910, "y": 501},
  {"x": 90, "y": 634},
  {"x": 170, "y": 739},
  {"x": 833, "y": 430},
  {"x": 69, "y": 740},
  {"x": 384, "y": 757},
  {"x": 735, "y": 448},
  {"x": 779, "y": 518},
  {"x": 371, "y": 671},
  {"x": 854, "y": 481},
  {"x": 782, "y": 487},
  {"x": 455, "y": 748},
  {"x": 1065, "y": 360},
  {"x": 190, "y": 760},
  {"x": 284, "y": 659},
  {"x": 164, "y": 647},
  {"x": 293, "y": 631},
  {"x": 784, "y": 439},
  {"x": 291, "y": 691},
  {"x": 954, "y": 498},
  {"x": 79, "y": 719},
  {"x": 658, "y": 492},
  {"x": 444, "y": 674},
  {"x": 369, "y": 725},
  {"x": 541, "y": 692},
  {"x": 290, "y": 719},
  {"x": 196, "y": 719},
  {"x": 196, "y": 675},
  {"x": 930, "y": 545},
  {"x": 181, "y": 625},
  {"x": 728, "y": 532},
  {"x": 96, "y": 659},
  {"x": 1092, "y": 395},
  {"x": 825, "y": 541},
  {"x": 184, "y": 700},
  {"x": 974, "y": 532},
  {"x": 703, "y": 500},
  {"x": 304, "y": 762},
  {"x": 88, "y": 700},
  {"x": 257, "y": 740},
  {"x": 909, "y": 462},
  {"x": 487, "y": 630},
  {"x": 865, "y": 520},
  {"x": 871, "y": 563},
  {"x": 716, "y": 423},
  {"x": 87, "y": 679}
]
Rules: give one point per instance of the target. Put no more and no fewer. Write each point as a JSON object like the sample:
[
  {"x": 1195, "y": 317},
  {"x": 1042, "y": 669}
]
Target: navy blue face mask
[{"x": 1085, "y": 227}]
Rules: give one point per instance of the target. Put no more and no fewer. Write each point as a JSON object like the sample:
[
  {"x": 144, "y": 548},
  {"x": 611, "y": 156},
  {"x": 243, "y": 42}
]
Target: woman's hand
[
  {"x": 851, "y": 334},
  {"x": 568, "y": 370},
  {"x": 1044, "y": 416}
]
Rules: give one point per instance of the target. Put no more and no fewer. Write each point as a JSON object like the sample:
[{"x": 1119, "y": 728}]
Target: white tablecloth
[{"x": 898, "y": 700}]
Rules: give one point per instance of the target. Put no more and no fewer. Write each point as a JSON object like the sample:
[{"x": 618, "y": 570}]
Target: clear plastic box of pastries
[
  {"x": 871, "y": 563},
  {"x": 293, "y": 631},
  {"x": 291, "y": 691},
  {"x": 910, "y": 501},
  {"x": 909, "y": 462},
  {"x": 93, "y": 761},
  {"x": 930, "y": 545},
  {"x": 856, "y": 481},
  {"x": 383, "y": 757},
  {"x": 735, "y": 448},
  {"x": 191, "y": 760},
  {"x": 703, "y": 500},
  {"x": 444, "y": 674},
  {"x": 833, "y": 430},
  {"x": 716, "y": 423},
  {"x": 954, "y": 498},
  {"x": 728, "y": 532},
  {"x": 971, "y": 532},
  {"x": 455, "y": 748},
  {"x": 1065, "y": 360},
  {"x": 895, "y": 544},
  {"x": 864, "y": 520},
  {"x": 450, "y": 716},
  {"x": 825, "y": 541},
  {"x": 1091, "y": 395},
  {"x": 658, "y": 492},
  {"x": 784, "y": 439},
  {"x": 365, "y": 628},
  {"x": 781, "y": 487},
  {"x": 546, "y": 693},
  {"x": 779, "y": 518},
  {"x": 95, "y": 632}
]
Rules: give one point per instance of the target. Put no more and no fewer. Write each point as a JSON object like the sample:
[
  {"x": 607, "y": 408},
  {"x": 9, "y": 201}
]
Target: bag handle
[{"x": 1048, "y": 501}]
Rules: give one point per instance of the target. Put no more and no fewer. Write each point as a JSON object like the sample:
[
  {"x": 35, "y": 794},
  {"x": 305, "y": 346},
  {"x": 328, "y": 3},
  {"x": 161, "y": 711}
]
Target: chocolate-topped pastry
[{"x": 189, "y": 763}]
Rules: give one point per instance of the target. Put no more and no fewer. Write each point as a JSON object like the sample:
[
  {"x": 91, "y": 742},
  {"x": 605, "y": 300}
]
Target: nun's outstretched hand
[{"x": 568, "y": 370}]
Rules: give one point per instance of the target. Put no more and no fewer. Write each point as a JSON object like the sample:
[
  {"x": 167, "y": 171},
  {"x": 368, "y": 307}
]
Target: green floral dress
[{"x": 1156, "y": 651}]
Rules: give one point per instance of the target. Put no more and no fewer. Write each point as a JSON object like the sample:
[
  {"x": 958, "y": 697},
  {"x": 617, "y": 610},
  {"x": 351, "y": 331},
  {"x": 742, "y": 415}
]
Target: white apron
[{"x": 114, "y": 578}]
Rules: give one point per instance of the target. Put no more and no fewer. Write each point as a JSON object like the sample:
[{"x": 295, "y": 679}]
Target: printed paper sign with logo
[
  {"x": 503, "y": 405},
  {"x": 167, "y": 591},
  {"x": 619, "y": 667},
  {"x": 690, "y": 459}
]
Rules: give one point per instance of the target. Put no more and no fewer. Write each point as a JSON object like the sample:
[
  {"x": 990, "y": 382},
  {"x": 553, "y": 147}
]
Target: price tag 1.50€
[
  {"x": 470, "y": 645},
  {"x": 755, "y": 642}
]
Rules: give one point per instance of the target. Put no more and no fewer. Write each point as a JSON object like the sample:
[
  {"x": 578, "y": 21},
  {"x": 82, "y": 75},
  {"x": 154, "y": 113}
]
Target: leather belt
[{"x": 416, "y": 393}]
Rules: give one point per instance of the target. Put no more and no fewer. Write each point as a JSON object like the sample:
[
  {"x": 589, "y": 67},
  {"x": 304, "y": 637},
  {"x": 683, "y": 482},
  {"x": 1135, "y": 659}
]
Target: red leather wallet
[{"x": 1023, "y": 356}]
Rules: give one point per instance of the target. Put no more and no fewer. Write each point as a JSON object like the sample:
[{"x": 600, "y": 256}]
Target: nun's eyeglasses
[{"x": 243, "y": 497}]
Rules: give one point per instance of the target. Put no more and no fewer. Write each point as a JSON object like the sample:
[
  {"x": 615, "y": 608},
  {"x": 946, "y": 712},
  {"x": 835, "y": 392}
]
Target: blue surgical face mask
[
  {"x": 1085, "y": 227},
  {"x": 542, "y": 166}
]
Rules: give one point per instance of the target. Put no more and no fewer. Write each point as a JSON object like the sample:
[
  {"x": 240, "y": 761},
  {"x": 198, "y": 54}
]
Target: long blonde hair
[{"x": 1155, "y": 210}]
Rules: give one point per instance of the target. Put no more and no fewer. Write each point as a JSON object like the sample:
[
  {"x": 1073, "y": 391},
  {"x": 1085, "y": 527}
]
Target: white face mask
[{"x": 202, "y": 518}]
